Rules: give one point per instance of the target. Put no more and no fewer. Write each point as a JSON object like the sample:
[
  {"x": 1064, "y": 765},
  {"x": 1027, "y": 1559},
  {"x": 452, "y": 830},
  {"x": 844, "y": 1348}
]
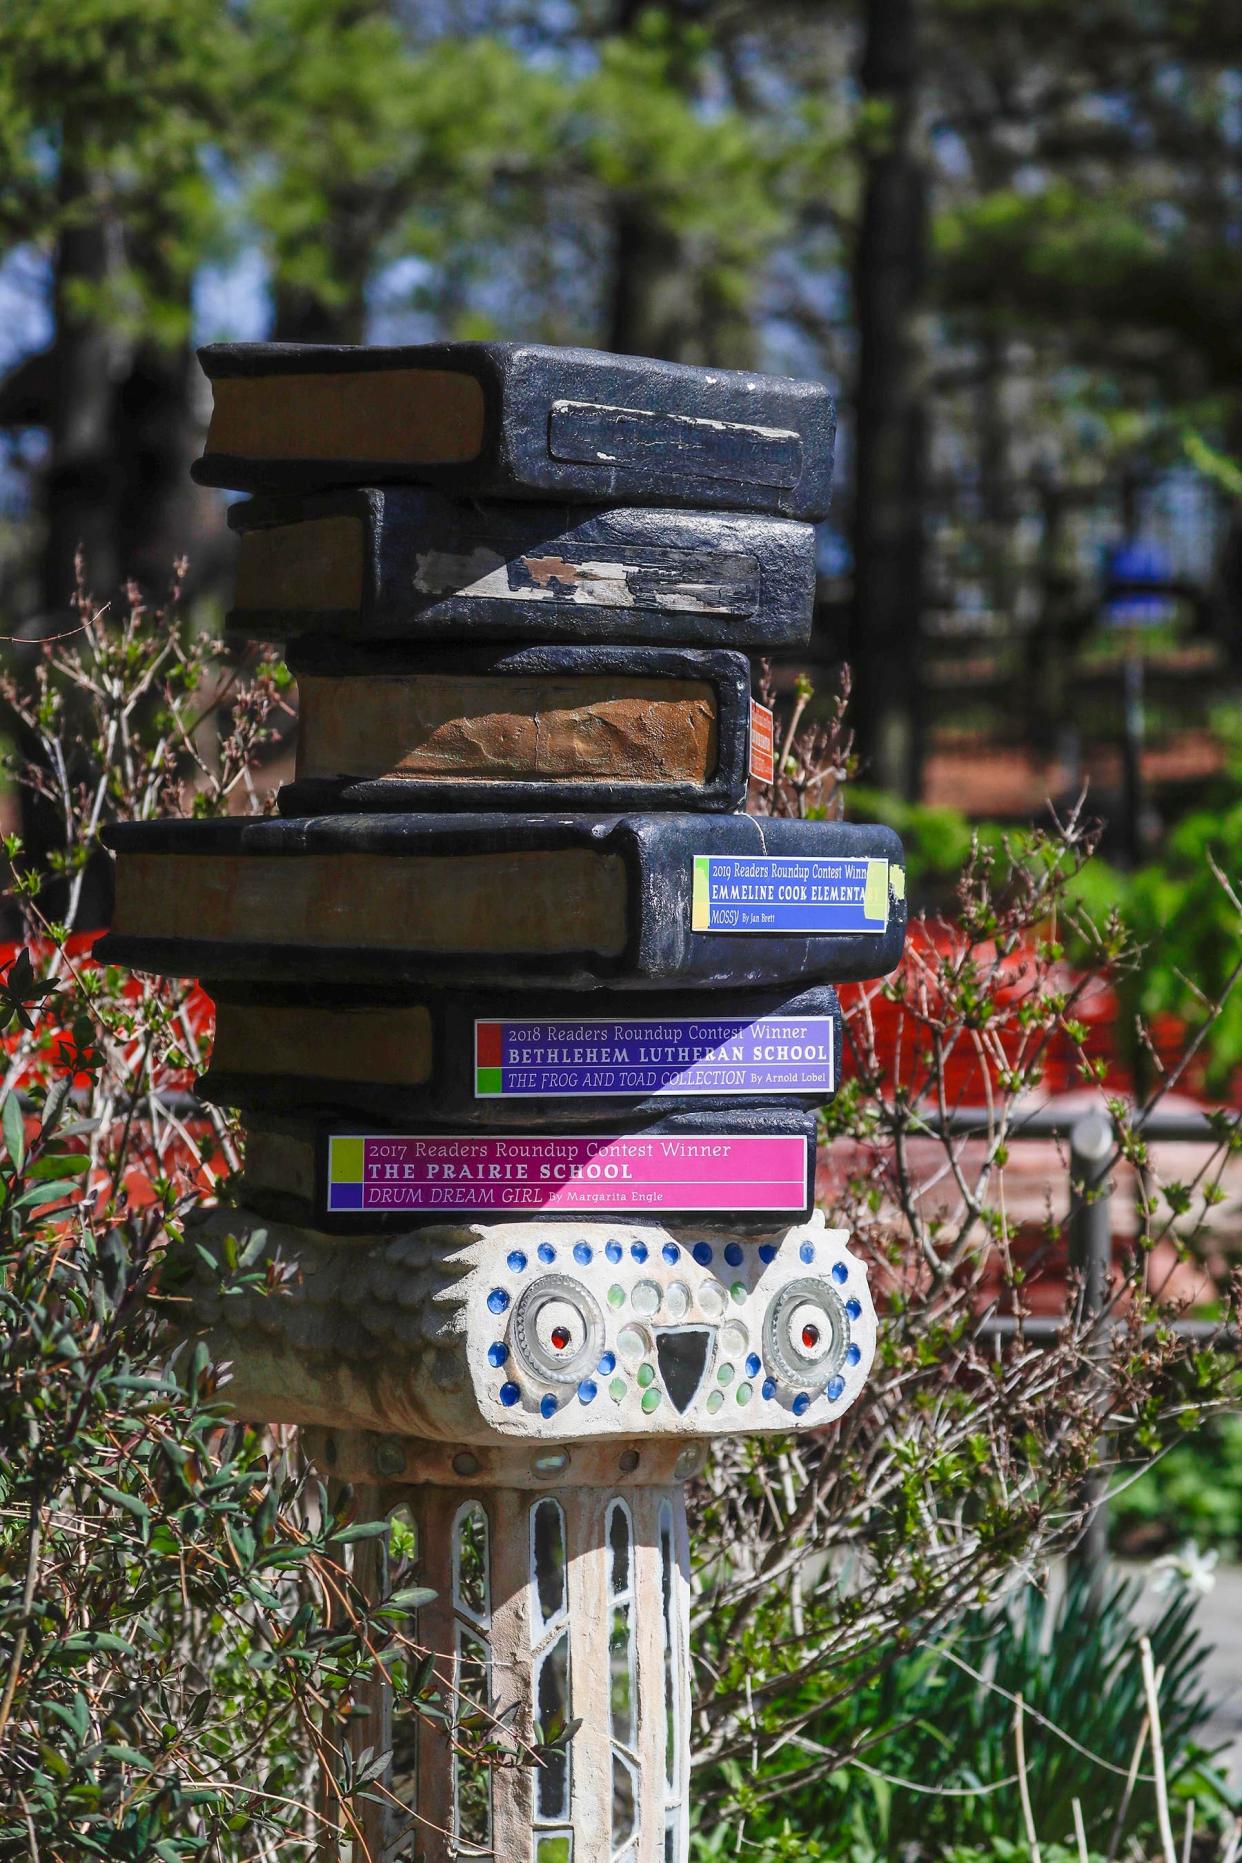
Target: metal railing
[{"x": 1092, "y": 1135}]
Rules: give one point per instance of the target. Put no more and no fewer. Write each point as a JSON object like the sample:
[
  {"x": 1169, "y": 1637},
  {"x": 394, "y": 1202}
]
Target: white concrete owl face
[
  {"x": 627, "y": 1329},
  {"x": 539, "y": 1332}
]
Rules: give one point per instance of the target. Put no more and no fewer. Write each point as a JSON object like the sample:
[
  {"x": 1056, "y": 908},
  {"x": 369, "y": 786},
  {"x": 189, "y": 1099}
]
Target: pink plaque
[{"x": 609, "y": 1173}]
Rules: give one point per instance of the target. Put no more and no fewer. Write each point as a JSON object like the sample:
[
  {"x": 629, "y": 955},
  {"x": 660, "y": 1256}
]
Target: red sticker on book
[{"x": 762, "y": 743}]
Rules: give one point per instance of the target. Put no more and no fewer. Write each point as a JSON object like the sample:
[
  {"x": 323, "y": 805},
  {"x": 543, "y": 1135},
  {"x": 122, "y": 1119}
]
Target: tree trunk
[
  {"x": 157, "y": 432},
  {"x": 891, "y": 422},
  {"x": 652, "y": 307},
  {"x": 300, "y": 316},
  {"x": 78, "y": 485},
  {"x": 122, "y": 430},
  {"x": 661, "y": 303},
  {"x": 121, "y": 420}
]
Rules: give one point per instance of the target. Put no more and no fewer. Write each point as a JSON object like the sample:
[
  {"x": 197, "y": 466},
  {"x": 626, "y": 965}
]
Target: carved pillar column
[{"x": 552, "y": 1605}]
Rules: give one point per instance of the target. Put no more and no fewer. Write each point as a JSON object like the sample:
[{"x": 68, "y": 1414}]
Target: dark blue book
[
  {"x": 404, "y": 563},
  {"x": 659, "y": 901},
  {"x": 516, "y": 420},
  {"x": 519, "y": 1059}
]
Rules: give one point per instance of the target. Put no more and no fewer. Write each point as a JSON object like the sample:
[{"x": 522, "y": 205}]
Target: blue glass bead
[
  {"x": 807, "y": 1252},
  {"x": 769, "y": 1388},
  {"x": 583, "y": 1253},
  {"x": 767, "y": 1252},
  {"x": 497, "y": 1300},
  {"x": 733, "y": 1254},
  {"x": 840, "y": 1273},
  {"x": 854, "y": 1309},
  {"x": 613, "y": 1251},
  {"x": 516, "y": 1261},
  {"x": 546, "y": 1252},
  {"x": 852, "y": 1355},
  {"x": 497, "y": 1354},
  {"x": 671, "y": 1253},
  {"x": 607, "y": 1365},
  {"x": 752, "y": 1365},
  {"x": 834, "y": 1387},
  {"x": 639, "y": 1251},
  {"x": 547, "y": 1406},
  {"x": 586, "y": 1392},
  {"x": 801, "y": 1403},
  {"x": 703, "y": 1254},
  {"x": 509, "y": 1395}
]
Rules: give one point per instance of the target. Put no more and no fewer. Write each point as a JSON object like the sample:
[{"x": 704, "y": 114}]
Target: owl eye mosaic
[{"x": 609, "y": 1328}]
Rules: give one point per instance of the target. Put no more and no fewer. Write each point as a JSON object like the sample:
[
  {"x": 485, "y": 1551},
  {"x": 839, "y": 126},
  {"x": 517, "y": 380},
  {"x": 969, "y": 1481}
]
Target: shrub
[
  {"x": 181, "y": 1637},
  {"x": 937, "y": 1729}
]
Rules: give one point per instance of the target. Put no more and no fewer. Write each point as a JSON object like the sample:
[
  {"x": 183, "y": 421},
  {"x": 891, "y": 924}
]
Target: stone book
[
  {"x": 405, "y": 563},
  {"x": 516, "y": 420},
  {"x": 542, "y": 727},
  {"x": 495, "y": 1059},
  {"x": 663, "y": 900}
]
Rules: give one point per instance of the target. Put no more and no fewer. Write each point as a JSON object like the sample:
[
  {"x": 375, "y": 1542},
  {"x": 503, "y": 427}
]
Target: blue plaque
[{"x": 789, "y": 893}]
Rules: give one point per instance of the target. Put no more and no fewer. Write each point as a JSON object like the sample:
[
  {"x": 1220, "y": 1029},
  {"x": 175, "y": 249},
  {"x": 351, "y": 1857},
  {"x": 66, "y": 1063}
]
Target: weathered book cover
[
  {"x": 519, "y": 1059},
  {"x": 667, "y": 901},
  {"x": 542, "y": 727},
  {"x": 512, "y": 420},
  {"x": 753, "y": 1162},
  {"x": 406, "y": 563}
]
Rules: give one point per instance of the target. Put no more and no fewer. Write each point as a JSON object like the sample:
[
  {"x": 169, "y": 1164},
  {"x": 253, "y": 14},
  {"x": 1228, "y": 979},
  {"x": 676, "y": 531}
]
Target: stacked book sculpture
[{"x": 527, "y": 1021}]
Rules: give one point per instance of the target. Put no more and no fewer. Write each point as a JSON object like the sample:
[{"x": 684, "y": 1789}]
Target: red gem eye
[
  {"x": 810, "y": 1337},
  {"x": 560, "y": 1337}
]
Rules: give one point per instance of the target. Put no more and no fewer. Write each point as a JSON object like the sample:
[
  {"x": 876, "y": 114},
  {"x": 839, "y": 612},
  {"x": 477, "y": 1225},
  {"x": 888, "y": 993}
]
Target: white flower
[{"x": 1187, "y": 1567}]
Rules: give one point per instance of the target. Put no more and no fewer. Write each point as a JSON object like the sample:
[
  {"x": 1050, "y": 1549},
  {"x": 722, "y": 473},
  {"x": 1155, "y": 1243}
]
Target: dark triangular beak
[{"x": 683, "y": 1354}]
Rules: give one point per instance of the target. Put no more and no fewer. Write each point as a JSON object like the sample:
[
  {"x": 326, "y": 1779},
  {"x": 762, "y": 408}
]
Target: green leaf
[
  {"x": 14, "y": 1126},
  {"x": 129, "y": 1756},
  {"x": 55, "y": 1103},
  {"x": 93, "y": 1643},
  {"x": 129, "y": 1502},
  {"x": 54, "y": 1761},
  {"x": 361, "y": 1530},
  {"x": 47, "y": 1193},
  {"x": 1214, "y": 465},
  {"x": 412, "y": 1598},
  {"x": 253, "y": 1249},
  {"x": 59, "y": 1164}
]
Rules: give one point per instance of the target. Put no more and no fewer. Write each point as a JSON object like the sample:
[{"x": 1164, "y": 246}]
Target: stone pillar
[
  {"x": 554, "y": 1604},
  {"x": 536, "y": 1427},
  {"x": 529, "y": 1025}
]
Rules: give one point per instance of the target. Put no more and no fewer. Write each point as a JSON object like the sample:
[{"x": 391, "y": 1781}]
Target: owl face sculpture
[
  {"x": 628, "y": 1329},
  {"x": 544, "y": 1332}
]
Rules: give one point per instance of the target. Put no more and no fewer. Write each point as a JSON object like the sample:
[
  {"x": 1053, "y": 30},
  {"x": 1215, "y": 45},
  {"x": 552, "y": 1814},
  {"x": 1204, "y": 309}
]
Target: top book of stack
[{"x": 516, "y": 420}]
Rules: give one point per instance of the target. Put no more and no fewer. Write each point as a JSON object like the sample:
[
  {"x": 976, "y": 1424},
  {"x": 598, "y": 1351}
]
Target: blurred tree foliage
[{"x": 1009, "y": 233}]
